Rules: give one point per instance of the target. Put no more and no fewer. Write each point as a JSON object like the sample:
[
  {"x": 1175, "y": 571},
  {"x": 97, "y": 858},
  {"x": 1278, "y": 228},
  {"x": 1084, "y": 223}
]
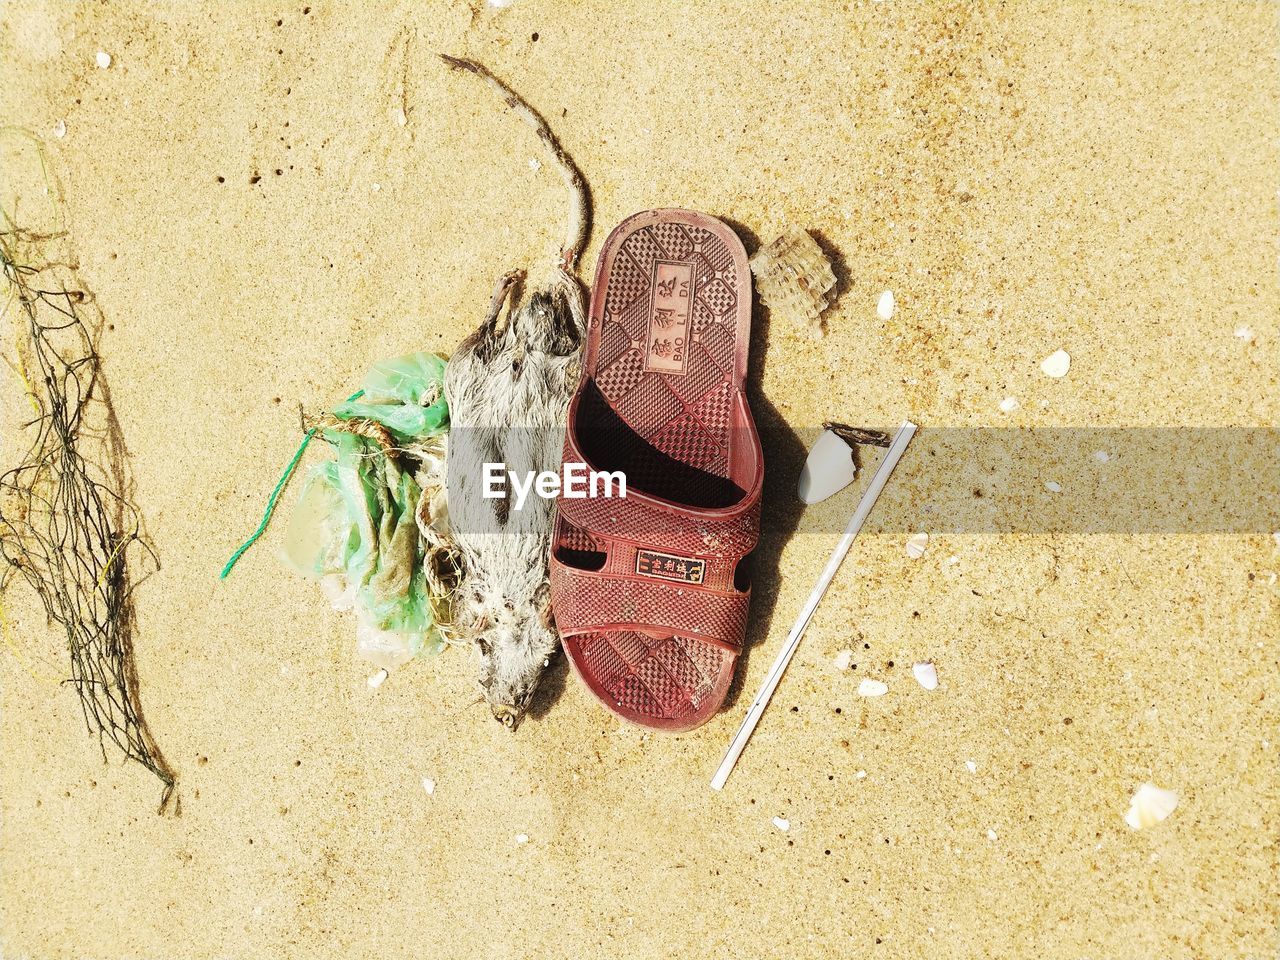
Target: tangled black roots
[{"x": 67, "y": 525}]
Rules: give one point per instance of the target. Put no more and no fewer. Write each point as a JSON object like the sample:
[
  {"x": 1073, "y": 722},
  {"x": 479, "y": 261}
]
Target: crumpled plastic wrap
[{"x": 355, "y": 526}]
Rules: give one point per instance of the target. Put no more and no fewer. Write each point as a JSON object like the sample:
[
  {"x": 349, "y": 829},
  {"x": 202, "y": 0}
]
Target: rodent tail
[{"x": 579, "y": 224}]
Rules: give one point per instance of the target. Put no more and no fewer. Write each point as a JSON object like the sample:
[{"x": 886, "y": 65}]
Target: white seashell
[
  {"x": 926, "y": 675},
  {"x": 1053, "y": 486},
  {"x": 843, "y": 659},
  {"x": 1149, "y": 806},
  {"x": 535, "y": 164},
  {"x": 991, "y": 835},
  {"x": 377, "y": 679},
  {"x": 872, "y": 688},
  {"x": 428, "y": 785},
  {"x": 886, "y": 305},
  {"x": 916, "y": 544},
  {"x": 860, "y": 775},
  {"x": 1244, "y": 333},
  {"x": 522, "y": 838},
  {"x": 828, "y": 469},
  {"x": 60, "y": 129},
  {"x": 782, "y": 824},
  {"x": 1008, "y": 404},
  {"x": 102, "y": 59},
  {"x": 971, "y": 766},
  {"x": 1056, "y": 364}
]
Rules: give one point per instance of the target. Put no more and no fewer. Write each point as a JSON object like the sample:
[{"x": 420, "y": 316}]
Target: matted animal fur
[{"x": 508, "y": 387}]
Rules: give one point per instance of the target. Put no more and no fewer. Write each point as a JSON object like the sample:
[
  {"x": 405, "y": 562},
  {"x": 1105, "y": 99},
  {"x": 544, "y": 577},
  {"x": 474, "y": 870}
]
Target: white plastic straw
[{"x": 878, "y": 481}]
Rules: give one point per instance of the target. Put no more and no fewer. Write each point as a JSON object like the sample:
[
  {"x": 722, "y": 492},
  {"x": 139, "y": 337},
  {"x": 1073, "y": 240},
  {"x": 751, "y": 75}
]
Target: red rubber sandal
[{"x": 647, "y": 590}]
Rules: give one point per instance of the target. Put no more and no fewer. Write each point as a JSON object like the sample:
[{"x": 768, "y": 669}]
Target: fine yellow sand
[{"x": 258, "y": 228}]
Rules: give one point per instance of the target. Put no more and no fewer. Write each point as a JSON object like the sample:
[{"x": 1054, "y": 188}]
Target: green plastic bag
[
  {"x": 405, "y": 395},
  {"x": 355, "y": 526}
]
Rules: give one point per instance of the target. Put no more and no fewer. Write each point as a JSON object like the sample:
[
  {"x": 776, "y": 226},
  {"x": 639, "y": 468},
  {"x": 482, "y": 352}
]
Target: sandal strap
[
  {"x": 661, "y": 524},
  {"x": 591, "y": 601}
]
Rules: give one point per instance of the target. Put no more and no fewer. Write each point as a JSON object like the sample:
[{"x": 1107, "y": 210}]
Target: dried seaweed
[{"x": 67, "y": 525}]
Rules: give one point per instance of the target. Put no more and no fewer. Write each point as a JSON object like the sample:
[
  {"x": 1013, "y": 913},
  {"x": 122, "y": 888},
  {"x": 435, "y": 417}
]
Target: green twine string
[{"x": 275, "y": 496}]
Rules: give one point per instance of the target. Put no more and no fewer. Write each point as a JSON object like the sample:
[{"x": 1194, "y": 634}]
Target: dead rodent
[{"x": 508, "y": 387}]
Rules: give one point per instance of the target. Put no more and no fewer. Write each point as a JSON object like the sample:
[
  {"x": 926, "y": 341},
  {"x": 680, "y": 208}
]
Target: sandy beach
[{"x": 264, "y": 199}]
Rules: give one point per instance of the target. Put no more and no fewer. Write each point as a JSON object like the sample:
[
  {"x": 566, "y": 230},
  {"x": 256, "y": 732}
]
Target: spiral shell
[{"x": 795, "y": 278}]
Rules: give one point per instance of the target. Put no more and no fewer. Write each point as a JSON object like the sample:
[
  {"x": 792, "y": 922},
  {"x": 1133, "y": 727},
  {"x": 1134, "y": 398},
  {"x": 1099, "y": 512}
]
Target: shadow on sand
[{"x": 784, "y": 454}]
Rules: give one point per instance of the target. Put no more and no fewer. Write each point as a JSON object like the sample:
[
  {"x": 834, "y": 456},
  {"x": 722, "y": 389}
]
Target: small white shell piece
[
  {"x": 842, "y": 660},
  {"x": 926, "y": 675},
  {"x": 872, "y": 688},
  {"x": 886, "y": 305},
  {"x": 782, "y": 823},
  {"x": 916, "y": 544},
  {"x": 1056, "y": 364},
  {"x": 828, "y": 469},
  {"x": 102, "y": 59},
  {"x": 1149, "y": 806}
]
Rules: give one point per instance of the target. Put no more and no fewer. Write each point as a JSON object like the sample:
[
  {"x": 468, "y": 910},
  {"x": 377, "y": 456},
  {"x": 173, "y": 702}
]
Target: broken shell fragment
[
  {"x": 872, "y": 688},
  {"x": 843, "y": 659},
  {"x": 1149, "y": 806},
  {"x": 782, "y": 823},
  {"x": 1056, "y": 364},
  {"x": 926, "y": 675},
  {"x": 828, "y": 469},
  {"x": 102, "y": 59},
  {"x": 886, "y": 305},
  {"x": 795, "y": 278},
  {"x": 916, "y": 544}
]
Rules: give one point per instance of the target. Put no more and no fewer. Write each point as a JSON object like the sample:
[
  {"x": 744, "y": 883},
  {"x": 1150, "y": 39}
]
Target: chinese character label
[
  {"x": 669, "y": 313},
  {"x": 666, "y": 567}
]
